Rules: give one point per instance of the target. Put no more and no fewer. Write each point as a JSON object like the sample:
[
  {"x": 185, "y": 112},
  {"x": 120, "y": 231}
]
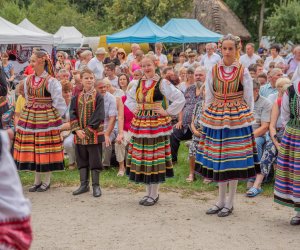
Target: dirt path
[{"x": 116, "y": 221}]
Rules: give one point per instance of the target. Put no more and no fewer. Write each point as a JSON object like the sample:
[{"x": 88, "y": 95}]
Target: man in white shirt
[
  {"x": 191, "y": 63},
  {"x": 96, "y": 64},
  {"x": 210, "y": 58},
  {"x": 163, "y": 60},
  {"x": 274, "y": 57},
  {"x": 134, "y": 48},
  {"x": 250, "y": 57},
  {"x": 110, "y": 72}
]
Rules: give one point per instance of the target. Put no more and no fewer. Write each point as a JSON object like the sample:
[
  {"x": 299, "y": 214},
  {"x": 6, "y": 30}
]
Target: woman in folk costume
[
  {"x": 287, "y": 178},
  {"x": 227, "y": 150},
  {"x": 3, "y": 93},
  {"x": 149, "y": 154},
  {"x": 38, "y": 145},
  {"x": 15, "y": 228}
]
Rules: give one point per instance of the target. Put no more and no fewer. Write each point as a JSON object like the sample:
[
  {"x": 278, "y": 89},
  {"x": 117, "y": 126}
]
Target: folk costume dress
[
  {"x": 149, "y": 158},
  {"x": 227, "y": 149},
  {"x": 15, "y": 209},
  {"x": 38, "y": 145},
  {"x": 287, "y": 178}
]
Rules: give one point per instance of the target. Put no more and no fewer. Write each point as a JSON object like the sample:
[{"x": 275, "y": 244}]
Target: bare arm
[{"x": 262, "y": 130}]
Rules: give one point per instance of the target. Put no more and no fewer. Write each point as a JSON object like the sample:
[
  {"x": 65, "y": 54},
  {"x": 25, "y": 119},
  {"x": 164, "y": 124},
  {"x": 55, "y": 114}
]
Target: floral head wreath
[{"x": 235, "y": 39}]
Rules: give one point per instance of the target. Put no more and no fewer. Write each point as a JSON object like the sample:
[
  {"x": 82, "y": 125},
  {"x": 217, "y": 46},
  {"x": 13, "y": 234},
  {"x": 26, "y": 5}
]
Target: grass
[{"x": 109, "y": 179}]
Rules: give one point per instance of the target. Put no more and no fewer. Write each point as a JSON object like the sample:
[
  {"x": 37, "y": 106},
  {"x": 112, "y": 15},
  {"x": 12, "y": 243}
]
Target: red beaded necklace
[
  {"x": 228, "y": 76},
  {"x": 144, "y": 88},
  {"x": 36, "y": 83}
]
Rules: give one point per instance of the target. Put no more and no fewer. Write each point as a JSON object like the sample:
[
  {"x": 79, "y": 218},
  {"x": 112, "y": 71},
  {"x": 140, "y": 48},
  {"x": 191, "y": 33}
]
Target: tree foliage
[
  {"x": 122, "y": 14},
  {"x": 284, "y": 23}
]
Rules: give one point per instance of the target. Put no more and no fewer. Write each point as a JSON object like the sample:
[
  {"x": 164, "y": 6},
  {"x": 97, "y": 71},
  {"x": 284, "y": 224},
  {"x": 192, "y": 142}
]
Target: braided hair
[
  {"x": 48, "y": 64},
  {"x": 236, "y": 40}
]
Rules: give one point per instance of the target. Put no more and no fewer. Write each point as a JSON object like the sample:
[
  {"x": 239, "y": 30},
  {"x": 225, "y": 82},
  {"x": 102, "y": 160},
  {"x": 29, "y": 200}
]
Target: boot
[
  {"x": 84, "y": 182},
  {"x": 95, "y": 183}
]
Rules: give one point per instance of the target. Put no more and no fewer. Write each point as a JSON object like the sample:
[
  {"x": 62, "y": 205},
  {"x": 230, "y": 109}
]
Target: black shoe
[
  {"x": 97, "y": 191},
  {"x": 214, "y": 211},
  {"x": 152, "y": 202},
  {"x": 43, "y": 188},
  {"x": 34, "y": 188},
  {"x": 82, "y": 189},
  {"x": 295, "y": 221},
  {"x": 141, "y": 202},
  {"x": 84, "y": 182},
  {"x": 95, "y": 182},
  {"x": 226, "y": 213}
]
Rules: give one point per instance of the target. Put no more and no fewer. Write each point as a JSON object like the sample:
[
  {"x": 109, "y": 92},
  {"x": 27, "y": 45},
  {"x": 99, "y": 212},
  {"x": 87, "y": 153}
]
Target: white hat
[{"x": 100, "y": 51}]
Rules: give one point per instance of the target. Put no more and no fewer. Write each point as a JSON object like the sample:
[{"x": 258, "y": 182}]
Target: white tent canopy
[
  {"x": 13, "y": 34},
  {"x": 69, "y": 35},
  {"x": 26, "y": 24}
]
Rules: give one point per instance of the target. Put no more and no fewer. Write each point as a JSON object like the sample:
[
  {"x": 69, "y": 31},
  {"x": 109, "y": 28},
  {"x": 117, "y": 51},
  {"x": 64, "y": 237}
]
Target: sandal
[
  {"x": 295, "y": 221},
  {"x": 121, "y": 173},
  {"x": 252, "y": 192},
  {"x": 43, "y": 188},
  {"x": 152, "y": 202},
  {"x": 191, "y": 178},
  {"x": 34, "y": 188},
  {"x": 226, "y": 213},
  {"x": 214, "y": 211}
]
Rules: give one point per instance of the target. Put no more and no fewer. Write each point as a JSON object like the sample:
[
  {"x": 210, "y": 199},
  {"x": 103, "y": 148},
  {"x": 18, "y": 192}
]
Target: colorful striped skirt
[
  {"x": 227, "y": 154},
  {"x": 149, "y": 160},
  {"x": 287, "y": 178},
  {"x": 40, "y": 152}
]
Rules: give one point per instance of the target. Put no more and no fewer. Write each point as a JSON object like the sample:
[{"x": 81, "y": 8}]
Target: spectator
[
  {"x": 121, "y": 55},
  {"x": 210, "y": 58},
  {"x": 182, "y": 74},
  {"x": 137, "y": 74},
  {"x": 62, "y": 62},
  {"x": 116, "y": 92},
  {"x": 167, "y": 73},
  {"x": 76, "y": 81},
  {"x": 182, "y": 130},
  {"x": 86, "y": 56},
  {"x": 262, "y": 113},
  {"x": 163, "y": 61},
  {"x": 112, "y": 51},
  {"x": 79, "y": 59},
  {"x": 110, "y": 110},
  {"x": 131, "y": 56},
  {"x": 250, "y": 57},
  {"x": 8, "y": 68},
  {"x": 96, "y": 63},
  {"x": 20, "y": 102},
  {"x": 270, "y": 87},
  {"x": 123, "y": 82},
  {"x": 136, "y": 62},
  {"x": 262, "y": 79},
  {"x": 67, "y": 136},
  {"x": 294, "y": 61},
  {"x": 63, "y": 74},
  {"x": 191, "y": 63},
  {"x": 274, "y": 57},
  {"x": 183, "y": 86},
  {"x": 179, "y": 65},
  {"x": 276, "y": 129},
  {"x": 110, "y": 72}
]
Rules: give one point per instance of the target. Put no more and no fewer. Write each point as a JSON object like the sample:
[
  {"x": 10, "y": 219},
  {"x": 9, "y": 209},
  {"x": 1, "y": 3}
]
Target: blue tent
[
  {"x": 191, "y": 31},
  {"x": 144, "y": 31}
]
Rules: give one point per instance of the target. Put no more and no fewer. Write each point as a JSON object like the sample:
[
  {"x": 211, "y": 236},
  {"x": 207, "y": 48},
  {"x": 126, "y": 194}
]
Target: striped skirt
[
  {"x": 227, "y": 154},
  {"x": 287, "y": 179},
  {"x": 40, "y": 152},
  {"x": 149, "y": 160}
]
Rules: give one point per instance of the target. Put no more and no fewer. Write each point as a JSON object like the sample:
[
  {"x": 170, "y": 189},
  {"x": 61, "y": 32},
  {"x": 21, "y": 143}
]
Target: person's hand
[
  {"x": 161, "y": 111},
  {"x": 80, "y": 134},
  {"x": 107, "y": 140},
  {"x": 178, "y": 125},
  {"x": 277, "y": 145},
  {"x": 196, "y": 133},
  {"x": 120, "y": 138}
]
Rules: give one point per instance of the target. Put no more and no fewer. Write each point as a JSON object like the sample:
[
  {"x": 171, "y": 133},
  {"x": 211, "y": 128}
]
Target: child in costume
[{"x": 87, "y": 117}]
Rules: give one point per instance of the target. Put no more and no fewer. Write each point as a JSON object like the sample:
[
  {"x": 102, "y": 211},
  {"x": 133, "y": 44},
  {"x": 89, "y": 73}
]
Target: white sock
[
  {"x": 154, "y": 190},
  {"x": 47, "y": 177},
  {"x": 232, "y": 191},
  {"x": 148, "y": 190},
  {"x": 298, "y": 214},
  {"x": 222, "y": 194},
  {"x": 37, "y": 178}
]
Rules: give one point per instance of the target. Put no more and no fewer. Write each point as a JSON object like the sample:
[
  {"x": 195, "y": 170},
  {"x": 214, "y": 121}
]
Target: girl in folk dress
[
  {"x": 227, "y": 150},
  {"x": 149, "y": 154},
  {"x": 38, "y": 145},
  {"x": 287, "y": 184}
]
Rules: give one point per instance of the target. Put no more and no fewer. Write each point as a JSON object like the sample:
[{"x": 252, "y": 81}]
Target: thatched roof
[{"x": 217, "y": 16}]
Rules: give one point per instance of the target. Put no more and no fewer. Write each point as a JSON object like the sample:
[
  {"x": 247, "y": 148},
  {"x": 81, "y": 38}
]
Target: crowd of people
[{"x": 238, "y": 113}]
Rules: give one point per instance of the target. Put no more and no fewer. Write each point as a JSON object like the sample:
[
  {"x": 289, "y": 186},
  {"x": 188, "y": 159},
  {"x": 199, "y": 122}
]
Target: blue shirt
[{"x": 267, "y": 90}]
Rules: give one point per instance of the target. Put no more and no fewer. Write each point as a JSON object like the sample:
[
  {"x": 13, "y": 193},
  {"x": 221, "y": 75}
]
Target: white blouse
[{"x": 167, "y": 89}]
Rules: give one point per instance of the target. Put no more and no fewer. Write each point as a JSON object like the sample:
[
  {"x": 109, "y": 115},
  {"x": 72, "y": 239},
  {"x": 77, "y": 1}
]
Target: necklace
[
  {"x": 228, "y": 76},
  {"x": 36, "y": 83}
]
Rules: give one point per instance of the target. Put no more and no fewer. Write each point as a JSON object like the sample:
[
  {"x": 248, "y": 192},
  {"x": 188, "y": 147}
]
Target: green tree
[
  {"x": 122, "y": 14},
  {"x": 11, "y": 11},
  {"x": 284, "y": 23}
]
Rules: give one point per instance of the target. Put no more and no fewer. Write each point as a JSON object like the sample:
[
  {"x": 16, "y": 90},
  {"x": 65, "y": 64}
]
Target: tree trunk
[{"x": 261, "y": 19}]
